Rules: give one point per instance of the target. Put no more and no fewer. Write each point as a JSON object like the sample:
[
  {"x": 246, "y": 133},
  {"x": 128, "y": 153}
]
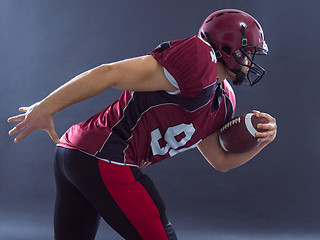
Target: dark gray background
[{"x": 45, "y": 43}]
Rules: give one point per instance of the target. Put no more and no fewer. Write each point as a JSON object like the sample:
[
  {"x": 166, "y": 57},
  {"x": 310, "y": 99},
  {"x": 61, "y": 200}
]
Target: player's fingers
[
  {"x": 266, "y": 136},
  {"x": 16, "y": 118},
  {"x": 270, "y": 118},
  {"x": 54, "y": 136},
  {"x": 261, "y": 134},
  {"x": 23, "y": 109},
  {"x": 266, "y": 115},
  {"x": 266, "y": 129},
  {"x": 22, "y": 135},
  {"x": 267, "y": 126},
  {"x": 17, "y": 128}
]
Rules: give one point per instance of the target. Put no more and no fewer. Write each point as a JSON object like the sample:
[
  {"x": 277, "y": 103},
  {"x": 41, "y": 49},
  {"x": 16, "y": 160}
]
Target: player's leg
[
  {"x": 149, "y": 186},
  {"x": 82, "y": 172},
  {"x": 74, "y": 216},
  {"x": 139, "y": 200},
  {"x": 119, "y": 195}
]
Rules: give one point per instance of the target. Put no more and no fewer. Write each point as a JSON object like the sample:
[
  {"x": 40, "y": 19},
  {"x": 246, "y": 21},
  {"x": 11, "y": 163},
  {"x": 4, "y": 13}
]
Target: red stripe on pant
[{"x": 134, "y": 200}]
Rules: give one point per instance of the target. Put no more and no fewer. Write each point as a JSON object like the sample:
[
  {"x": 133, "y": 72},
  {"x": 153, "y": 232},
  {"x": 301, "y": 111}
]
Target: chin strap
[
  {"x": 244, "y": 41},
  {"x": 240, "y": 77},
  {"x": 217, "y": 52}
]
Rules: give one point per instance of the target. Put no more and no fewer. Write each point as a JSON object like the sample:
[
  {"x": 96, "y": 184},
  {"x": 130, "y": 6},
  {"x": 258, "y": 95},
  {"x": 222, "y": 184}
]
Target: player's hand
[
  {"x": 35, "y": 117},
  {"x": 269, "y": 130}
]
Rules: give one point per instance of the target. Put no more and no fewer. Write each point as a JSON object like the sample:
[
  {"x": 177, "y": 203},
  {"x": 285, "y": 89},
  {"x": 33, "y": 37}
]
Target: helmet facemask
[{"x": 245, "y": 57}]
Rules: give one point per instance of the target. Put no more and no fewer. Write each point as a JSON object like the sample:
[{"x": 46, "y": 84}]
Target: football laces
[{"x": 230, "y": 123}]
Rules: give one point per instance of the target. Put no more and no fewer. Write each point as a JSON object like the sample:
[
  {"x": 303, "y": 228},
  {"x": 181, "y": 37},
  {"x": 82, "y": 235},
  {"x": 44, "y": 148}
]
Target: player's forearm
[
  {"x": 231, "y": 160},
  {"x": 82, "y": 87},
  {"x": 222, "y": 160}
]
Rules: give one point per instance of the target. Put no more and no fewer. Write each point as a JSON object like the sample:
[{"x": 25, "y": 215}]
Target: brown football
[{"x": 238, "y": 135}]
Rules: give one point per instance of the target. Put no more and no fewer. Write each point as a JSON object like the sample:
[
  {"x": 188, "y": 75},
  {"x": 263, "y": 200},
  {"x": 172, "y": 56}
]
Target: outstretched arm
[
  {"x": 136, "y": 74},
  {"x": 224, "y": 161}
]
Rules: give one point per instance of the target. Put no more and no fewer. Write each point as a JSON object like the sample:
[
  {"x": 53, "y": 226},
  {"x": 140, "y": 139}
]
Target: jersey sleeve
[{"x": 190, "y": 61}]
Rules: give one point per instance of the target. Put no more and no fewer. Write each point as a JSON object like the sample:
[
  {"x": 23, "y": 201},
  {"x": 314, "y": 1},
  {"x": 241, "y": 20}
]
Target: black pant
[{"x": 88, "y": 188}]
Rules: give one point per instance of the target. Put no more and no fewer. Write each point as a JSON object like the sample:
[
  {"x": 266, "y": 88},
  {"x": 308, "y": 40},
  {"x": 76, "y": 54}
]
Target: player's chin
[{"x": 231, "y": 76}]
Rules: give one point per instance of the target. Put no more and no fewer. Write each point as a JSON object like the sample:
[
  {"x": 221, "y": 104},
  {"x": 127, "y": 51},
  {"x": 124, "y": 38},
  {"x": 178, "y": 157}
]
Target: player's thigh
[
  {"x": 82, "y": 171},
  {"x": 74, "y": 216},
  {"x": 138, "y": 199},
  {"x": 123, "y": 196}
]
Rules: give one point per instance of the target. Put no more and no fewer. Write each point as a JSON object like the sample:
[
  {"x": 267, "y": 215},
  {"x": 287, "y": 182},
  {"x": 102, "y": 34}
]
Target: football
[{"x": 238, "y": 135}]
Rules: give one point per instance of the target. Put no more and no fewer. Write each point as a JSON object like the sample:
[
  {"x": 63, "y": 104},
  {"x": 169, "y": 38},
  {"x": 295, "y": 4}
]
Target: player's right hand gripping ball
[{"x": 238, "y": 135}]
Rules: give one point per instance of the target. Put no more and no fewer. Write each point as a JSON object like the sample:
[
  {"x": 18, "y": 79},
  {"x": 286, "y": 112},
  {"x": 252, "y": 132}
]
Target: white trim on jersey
[
  {"x": 109, "y": 161},
  {"x": 172, "y": 81},
  {"x": 117, "y": 163},
  {"x": 205, "y": 41},
  {"x": 212, "y": 53}
]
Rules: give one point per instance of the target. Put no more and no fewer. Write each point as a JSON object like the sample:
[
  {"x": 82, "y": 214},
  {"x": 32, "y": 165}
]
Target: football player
[{"x": 174, "y": 99}]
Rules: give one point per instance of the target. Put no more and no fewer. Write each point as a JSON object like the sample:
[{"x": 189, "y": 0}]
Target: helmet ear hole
[
  {"x": 226, "y": 49},
  {"x": 202, "y": 35}
]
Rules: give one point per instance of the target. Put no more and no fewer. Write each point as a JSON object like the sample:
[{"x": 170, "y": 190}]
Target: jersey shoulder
[{"x": 191, "y": 62}]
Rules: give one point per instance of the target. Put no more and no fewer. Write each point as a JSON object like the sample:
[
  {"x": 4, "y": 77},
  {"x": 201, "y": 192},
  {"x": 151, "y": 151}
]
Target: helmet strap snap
[
  {"x": 218, "y": 53},
  {"x": 244, "y": 40}
]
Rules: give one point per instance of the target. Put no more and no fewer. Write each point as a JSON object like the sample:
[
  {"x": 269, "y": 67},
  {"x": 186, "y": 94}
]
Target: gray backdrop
[{"x": 45, "y": 43}]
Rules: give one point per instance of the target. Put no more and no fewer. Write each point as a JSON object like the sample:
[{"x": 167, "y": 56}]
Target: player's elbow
[
  {"x": 222, "y": 168},
  {"x": 219, "y": 164}
]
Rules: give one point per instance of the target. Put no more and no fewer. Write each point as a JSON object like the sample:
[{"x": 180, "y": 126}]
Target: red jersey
[{"x": 142, "y": 128}]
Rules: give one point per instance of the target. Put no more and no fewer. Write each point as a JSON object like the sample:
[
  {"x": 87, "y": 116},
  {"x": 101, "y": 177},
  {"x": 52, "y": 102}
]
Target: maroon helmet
[{"x": 235, "y": 36}]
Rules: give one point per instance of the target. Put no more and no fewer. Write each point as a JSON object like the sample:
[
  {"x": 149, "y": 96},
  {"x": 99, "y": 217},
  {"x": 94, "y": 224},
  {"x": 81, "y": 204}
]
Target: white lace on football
[{"x": 230, "y": 123}]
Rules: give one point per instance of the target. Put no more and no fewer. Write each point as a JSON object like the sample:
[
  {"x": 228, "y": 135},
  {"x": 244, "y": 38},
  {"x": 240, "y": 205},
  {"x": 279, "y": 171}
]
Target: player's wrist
[{"x": 48, "y": 107}]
